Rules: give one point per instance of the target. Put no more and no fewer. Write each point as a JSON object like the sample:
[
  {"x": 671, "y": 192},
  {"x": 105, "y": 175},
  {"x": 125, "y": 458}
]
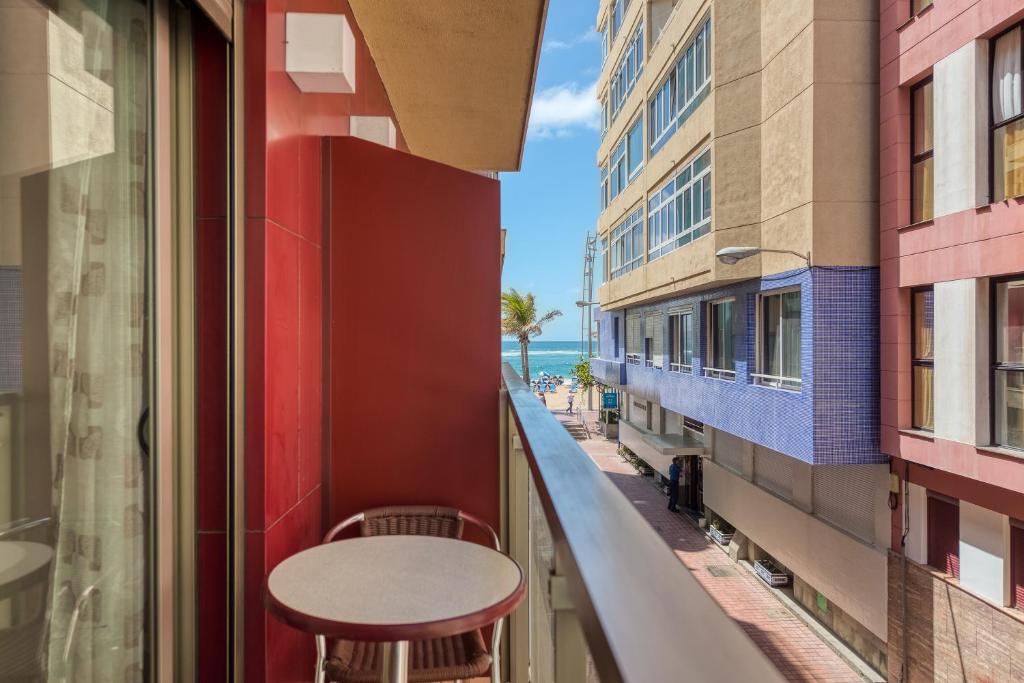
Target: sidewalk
[{"x": 794, "y": 649}]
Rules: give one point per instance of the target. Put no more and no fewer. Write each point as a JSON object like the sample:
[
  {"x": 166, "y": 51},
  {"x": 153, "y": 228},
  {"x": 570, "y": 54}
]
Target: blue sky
[{"x": 549, "y": 206}]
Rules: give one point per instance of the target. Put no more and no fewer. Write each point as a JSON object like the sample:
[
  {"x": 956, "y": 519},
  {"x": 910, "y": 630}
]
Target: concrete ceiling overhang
[{"x": 460, "y": 74}]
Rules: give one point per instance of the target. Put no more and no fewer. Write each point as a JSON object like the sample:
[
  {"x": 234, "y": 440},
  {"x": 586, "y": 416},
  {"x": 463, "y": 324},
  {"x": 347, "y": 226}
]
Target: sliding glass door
[{"x": 76, "y": 489}]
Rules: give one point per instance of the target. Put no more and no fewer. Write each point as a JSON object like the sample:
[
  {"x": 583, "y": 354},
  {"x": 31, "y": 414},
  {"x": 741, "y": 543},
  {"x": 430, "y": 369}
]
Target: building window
[
  {"x": 634, "y": 339},
  {"x": 683, "y": 89},
  {"x": 604, "y": 260},
  {"x": 627, "y": 248},
  {"x": 618, "y": 8},
  {"x": 604, "y": 187},
  {"x": 615, "y": 337},
  {"x": 779, "y": 357},
  {"x": 604, "y": 116},
  {"x": 634, "y": 150},
  {"x": 918, "y": 6},
  {"x": 922, "y": 360},
  {"x": 680, "y": 341},
  {"x": 680, "y": 211},
  {"x": 653, "y": 331},
  {"x": 628, "y": 71},
  {"x": 605, "y": 42},
  {"x": 1009, "y": 364},
  {"x": 1007, "y": 116},
  {"x": 922, "y": 150},
  {"x": 720, "y": 340},
  {"x": 617, "y": 170},
  {"x": 944, "y": 534}
]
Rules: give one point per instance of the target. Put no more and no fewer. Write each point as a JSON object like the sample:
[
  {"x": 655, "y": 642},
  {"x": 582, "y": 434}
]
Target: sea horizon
[{"x": 550, "y": 356}]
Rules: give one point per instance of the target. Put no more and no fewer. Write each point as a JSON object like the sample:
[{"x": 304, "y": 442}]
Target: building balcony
[{"x": 608, "y": 372}]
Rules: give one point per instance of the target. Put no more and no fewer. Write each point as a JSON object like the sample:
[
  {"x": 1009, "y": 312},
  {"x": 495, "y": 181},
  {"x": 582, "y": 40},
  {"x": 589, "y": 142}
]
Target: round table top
[
  {"x": 21, "y": 559},
  {"x": 391, "y": 588}
]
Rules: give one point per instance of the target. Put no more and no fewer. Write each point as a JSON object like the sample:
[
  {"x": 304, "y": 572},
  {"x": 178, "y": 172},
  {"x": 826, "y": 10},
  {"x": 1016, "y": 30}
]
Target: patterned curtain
[{"x": 96, "y": 317}]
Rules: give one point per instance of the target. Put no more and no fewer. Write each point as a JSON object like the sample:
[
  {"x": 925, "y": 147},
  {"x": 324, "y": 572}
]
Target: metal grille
[
  {"x": 634, "y": 335},
  {"x": 774, "y": 471},
  {"x": 845, "y": 496}
]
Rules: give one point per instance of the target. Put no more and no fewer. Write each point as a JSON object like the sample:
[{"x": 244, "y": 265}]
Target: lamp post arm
[{"x": 805, "y": 257}]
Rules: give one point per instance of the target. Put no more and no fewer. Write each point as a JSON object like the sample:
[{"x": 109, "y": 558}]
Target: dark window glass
[{"x": 1009, "y": 364}]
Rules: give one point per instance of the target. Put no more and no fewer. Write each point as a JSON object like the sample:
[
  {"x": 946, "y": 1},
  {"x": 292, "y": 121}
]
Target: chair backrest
[{"x": 414, "y": 520}]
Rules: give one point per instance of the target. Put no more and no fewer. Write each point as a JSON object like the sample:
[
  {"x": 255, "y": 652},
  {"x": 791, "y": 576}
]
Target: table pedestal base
[{"x": 396, "y": 663}]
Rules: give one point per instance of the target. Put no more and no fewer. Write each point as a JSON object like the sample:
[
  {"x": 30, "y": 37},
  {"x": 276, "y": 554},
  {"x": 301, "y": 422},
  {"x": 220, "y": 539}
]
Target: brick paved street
[{"x": 796, "y": 650}]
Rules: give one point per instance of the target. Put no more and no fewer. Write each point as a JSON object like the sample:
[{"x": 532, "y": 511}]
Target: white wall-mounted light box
[{"x": 320, "y": 54}]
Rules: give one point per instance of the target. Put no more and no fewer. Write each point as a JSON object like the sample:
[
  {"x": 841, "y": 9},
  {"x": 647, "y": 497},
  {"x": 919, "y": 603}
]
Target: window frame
[
  {"x": 633, "y": 357},
  {"x": 921, "y": 362},
  {"x": 995, "y": 365},
  {"x": 681, "y": 107},
  {"x": 992, "y": 125},
  {"x": 709, "y": 370},
  {"x": 675, "y": 336},
  {"x": 659, "y": 203},
  {"x": 924, "y": 156},
  {"x": 627, "y": 226},
  {"x": 759, "y": 377},
  {"x": 651, "y": 358},
  {"x": 622, "y": 82},
  {"x": 926, "y": 4}
]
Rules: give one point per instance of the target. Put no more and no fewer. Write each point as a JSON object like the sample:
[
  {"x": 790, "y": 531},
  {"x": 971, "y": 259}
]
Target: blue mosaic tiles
[{"x": 832, "y": 419}]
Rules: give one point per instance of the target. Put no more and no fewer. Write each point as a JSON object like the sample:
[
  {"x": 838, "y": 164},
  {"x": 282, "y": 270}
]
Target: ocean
[{"x": 552, "y": 357}]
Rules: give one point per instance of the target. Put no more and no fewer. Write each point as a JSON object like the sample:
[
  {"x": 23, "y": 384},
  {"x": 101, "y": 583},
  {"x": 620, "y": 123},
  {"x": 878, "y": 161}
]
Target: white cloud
[
  {"x": 585, "y": 37},
  {"x": 562, "y": 109}
]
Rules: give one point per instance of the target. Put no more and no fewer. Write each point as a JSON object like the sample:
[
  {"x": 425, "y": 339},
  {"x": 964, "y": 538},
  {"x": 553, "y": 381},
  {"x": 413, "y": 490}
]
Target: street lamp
[{"x": 730, "y": 255}]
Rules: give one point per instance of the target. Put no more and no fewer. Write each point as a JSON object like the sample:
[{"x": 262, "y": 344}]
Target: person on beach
[
  {"x": 674, "y": 470},
  {"x": 568, "y": 408},
  {"x": 543, "y": 399}
]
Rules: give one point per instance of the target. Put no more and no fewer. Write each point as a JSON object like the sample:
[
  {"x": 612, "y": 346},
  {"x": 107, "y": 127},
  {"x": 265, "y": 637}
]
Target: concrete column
[
  {"x": 803, "y": 486},
  {"x": 961, "y": 129},
  {"x": 961, "y": 361},
  {"x": 917, "y": 528}
]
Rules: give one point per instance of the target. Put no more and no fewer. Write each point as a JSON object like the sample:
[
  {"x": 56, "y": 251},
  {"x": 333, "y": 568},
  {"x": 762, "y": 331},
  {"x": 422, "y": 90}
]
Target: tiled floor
[{"x": 797, "y": 652}]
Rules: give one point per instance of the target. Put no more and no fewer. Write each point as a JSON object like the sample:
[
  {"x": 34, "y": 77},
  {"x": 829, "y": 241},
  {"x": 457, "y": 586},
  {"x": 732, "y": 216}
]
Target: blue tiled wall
[{"x": 833, "y": 419}]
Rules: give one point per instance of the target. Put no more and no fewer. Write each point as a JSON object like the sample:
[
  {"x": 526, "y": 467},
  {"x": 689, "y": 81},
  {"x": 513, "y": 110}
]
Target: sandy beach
[{"x": 558, "y": 399}]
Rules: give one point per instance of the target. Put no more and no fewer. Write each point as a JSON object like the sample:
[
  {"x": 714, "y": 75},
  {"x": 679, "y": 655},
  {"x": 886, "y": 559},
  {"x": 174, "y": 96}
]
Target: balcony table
[
  {"x": 22, "y": 563},
  {"x": 394, "y": 589}
]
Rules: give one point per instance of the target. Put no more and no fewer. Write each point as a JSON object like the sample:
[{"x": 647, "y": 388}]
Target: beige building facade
[{"x": 752, "y": 123}]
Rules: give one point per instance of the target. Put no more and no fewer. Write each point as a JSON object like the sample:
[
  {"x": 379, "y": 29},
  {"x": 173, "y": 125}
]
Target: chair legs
[
  {"x": 321, "y": 658},
  {"x": 496, "y": 652}
]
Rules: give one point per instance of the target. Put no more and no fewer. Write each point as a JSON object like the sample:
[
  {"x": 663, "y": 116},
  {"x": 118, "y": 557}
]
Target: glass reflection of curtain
[
  {"x": 924, "y": 349},
  {"x": 1007, "y": 103},
  {"x": 924, "y": 397},
  {"x": 790, "y": 335},
  {"x": 97, "y": 236}
]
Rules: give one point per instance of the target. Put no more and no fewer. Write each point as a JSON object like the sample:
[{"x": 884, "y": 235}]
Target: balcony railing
[
  {"x": 719, "y": 373},
  {"x": 633, "y": 359},
  {"x": 680, "y": 367},
  {"x": 608, "y": 599},
  {"x": 777, "y": 382}
]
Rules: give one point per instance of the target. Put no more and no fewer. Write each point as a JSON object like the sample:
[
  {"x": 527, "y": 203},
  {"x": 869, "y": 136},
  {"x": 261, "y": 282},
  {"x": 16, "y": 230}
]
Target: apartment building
[
  {"x": 952, "y": 335},
  {"x": 751, "y": 126}
]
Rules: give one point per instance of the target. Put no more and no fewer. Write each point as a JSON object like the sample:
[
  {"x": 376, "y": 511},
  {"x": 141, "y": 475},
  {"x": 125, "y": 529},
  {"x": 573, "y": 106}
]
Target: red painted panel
[
  {"x": 212, "y": 287},
  {"x": 415, "y": 284},
  {"x": 944, "y": 536},
  {"x": 255, "y": 372},
  {"x": 212, "y": 599},
  {"x": 282, "y": 367},
  {"x": 310, "y": 366},
  {"x": 211, "y": 121}
]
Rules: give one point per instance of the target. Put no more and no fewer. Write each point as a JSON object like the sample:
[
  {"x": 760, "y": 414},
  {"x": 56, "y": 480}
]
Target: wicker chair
[{"x": 430, "y": 661}]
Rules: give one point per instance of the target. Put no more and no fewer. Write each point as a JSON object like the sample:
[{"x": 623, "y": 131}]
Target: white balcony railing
[
  {"x": 778, "y": 382},
  {"x": 608, "y": 600},
  {"x": 719, "y": 373},
  {"x": 633, "y": 359},
  {"x": 679, "y": 367}
]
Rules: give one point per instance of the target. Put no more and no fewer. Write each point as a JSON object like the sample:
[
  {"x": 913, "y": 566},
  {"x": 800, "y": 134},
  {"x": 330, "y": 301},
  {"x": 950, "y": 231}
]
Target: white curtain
[
  {"x": 1006, "y": 77},
  {"x": 96, "y": 318}
]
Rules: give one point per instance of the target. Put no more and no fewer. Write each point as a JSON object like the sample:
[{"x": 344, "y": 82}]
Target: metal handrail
[
  {"x": 633, "y": 359},
  {"x": 680, "y": 367},
  {"x": 604, "y": 545},
  {"x": 719, "y": 373}
]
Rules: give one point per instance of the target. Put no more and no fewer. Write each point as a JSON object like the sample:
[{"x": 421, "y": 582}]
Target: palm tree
[{"x": 519, "y": 319}]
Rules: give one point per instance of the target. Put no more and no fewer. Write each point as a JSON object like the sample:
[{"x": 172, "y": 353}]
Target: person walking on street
[
  {"x": 568, "y": 408},
  {"x": 674, "y": 470}
]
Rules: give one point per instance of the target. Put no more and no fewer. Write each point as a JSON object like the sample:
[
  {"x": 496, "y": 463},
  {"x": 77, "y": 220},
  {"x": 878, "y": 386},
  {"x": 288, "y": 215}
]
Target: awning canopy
[{"x": 460, "y": 74}]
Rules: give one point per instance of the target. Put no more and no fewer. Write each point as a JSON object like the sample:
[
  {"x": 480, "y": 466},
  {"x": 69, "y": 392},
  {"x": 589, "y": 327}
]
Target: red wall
[
  {"x": 284, "y": 314},
  {"x": 212, "y": 285},
  {"x": 415, "y": 286}
]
